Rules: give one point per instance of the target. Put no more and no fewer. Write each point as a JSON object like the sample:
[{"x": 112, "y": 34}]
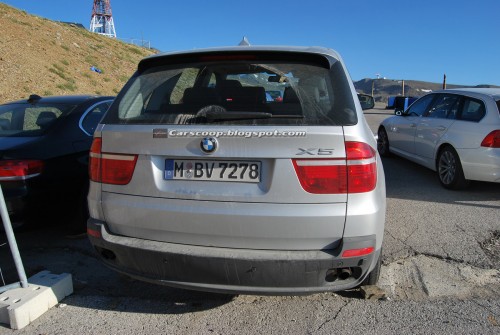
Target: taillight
[
  {"x": 361, "y": 167},
  {"x": 94, "y": 233},
  {"x": 110, "y": 168},
  {"x": 19, "y": 169},
  {"x": 322, "y": 176},
  {"x": 95, "y": 160},
  {"x": 356, "y": 173},
  {"x": 357, "y": 252},
  {"x": 492, "y": 140}
]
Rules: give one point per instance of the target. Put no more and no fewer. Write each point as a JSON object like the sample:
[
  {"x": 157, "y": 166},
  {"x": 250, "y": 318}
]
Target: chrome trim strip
[{"x": 80, "y": 122}]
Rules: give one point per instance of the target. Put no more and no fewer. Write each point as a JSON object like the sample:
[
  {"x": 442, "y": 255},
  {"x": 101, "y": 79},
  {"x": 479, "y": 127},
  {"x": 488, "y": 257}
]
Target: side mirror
[{"x": 366, "y": 101}]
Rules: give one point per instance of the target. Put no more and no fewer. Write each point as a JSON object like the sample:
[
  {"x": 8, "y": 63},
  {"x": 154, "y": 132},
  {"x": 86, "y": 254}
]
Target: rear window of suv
[{"x": 235, "y": 89}]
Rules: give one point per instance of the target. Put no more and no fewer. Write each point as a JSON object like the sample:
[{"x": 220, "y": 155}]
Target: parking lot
[{"x": 441, "y": 260}]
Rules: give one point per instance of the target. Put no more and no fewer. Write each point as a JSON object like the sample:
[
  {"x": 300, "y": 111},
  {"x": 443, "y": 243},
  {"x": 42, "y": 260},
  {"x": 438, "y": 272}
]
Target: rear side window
[
  {"x": 498, "y": 106},
  {"x": 92, "y": 117},
  {"x": 29, "y": 119},
  {"x": 238, "y": 92},
  {"x": 473, "y": 110},
  {"x": 5, "y": 120}
]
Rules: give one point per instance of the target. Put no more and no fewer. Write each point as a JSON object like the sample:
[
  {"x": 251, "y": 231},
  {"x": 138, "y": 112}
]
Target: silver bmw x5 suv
[{"x": 200, "y": 182}]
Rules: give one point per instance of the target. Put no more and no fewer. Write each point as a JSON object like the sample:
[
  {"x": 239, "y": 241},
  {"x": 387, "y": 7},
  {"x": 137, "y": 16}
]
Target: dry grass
[{"x": 46, "y": 57}]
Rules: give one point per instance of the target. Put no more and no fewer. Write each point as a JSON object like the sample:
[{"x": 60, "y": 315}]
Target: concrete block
[{"x": 20, "y": 306}]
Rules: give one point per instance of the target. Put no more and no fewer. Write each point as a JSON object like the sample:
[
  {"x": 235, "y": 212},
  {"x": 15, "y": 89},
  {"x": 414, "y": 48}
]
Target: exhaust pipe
[
  {"x": 344, "y": 273},
  {"x": 331, "y": 275},
  {"x": 108, "y": 254}
]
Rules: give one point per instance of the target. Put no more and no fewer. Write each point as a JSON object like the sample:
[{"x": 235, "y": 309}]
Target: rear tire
[
  {"x": 374, "y": 275},
  {"x": 383, "y": 143},
  {"x": 449, "y": 168}
]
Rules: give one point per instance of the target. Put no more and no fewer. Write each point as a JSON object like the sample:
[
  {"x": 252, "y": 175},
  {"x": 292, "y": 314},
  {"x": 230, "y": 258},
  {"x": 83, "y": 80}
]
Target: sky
[{"x": 403, "y": 39}]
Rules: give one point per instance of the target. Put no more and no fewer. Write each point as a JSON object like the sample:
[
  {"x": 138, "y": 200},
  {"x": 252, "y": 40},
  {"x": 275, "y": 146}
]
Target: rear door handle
[
  {"x": 413, "y": 125},
  {"x": 441, "y": 128}
]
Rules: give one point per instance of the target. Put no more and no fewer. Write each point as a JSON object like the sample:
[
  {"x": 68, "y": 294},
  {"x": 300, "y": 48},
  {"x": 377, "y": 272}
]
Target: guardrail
[{"x": 137, "y": 41}]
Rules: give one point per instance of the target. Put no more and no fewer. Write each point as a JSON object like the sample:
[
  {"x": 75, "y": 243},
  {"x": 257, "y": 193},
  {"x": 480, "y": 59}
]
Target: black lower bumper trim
[{"x": 234, "y": 270}]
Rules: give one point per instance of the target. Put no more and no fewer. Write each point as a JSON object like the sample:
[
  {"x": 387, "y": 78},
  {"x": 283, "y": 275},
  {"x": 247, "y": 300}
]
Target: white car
[{"x": 454, "y": 132}]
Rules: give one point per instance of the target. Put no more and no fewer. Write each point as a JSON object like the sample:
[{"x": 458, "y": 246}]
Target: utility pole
[
  {"x": 403, "y": 86},
  {"x": 373, "y": 82},
  {"x": 444, "y": 81}
]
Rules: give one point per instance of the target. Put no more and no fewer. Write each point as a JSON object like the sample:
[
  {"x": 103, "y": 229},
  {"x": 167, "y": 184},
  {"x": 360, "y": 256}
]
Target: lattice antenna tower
[{"x": 102, "y": 19}]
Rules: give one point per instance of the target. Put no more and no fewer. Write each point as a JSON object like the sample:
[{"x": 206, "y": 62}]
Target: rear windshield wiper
[
  {"x": 225, "y": 116},
  {"x": 287, "y": 116}
]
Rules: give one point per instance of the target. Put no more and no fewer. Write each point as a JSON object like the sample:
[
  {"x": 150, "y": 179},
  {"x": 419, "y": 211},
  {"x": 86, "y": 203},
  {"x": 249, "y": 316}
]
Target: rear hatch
[
  {"x": 213, "y": 162},
  {"x": 256, "y": 170}
]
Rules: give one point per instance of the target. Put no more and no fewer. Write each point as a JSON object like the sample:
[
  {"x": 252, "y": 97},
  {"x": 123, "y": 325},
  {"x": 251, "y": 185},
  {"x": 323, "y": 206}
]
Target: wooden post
[
  {"x": 403, "y": 86},
  {"x": 444, "y": 81}
]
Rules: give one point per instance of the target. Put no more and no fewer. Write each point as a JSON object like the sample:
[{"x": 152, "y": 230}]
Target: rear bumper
[
  {"x": 481, "y": 164},
  {"x": 229, "y": 270},
  {"x": 16, "y": 211},
  {"x": 17, "y": 201}
]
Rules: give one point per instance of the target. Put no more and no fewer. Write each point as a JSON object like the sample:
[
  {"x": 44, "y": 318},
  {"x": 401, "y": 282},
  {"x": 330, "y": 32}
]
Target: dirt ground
[{"x": 39, "y": 56}]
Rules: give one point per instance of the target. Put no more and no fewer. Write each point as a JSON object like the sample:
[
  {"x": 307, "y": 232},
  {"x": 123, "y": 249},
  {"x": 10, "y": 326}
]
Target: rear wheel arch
[
  {"x": 441, "y": 147},
  {"x": 374, "y": 275},
  {"x": 447, "y": 159},
  {"x": 438, "y": 153}
]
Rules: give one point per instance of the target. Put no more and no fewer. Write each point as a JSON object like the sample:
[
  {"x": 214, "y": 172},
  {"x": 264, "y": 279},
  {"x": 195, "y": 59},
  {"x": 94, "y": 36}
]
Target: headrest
[{"x": 45, "y": 118}]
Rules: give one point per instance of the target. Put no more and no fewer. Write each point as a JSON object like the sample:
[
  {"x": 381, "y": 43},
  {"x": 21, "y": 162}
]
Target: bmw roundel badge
[{"x": 209, "y": 145}]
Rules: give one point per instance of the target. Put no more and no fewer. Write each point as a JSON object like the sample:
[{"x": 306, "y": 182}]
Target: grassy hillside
[{"x": 50, "y": 58}]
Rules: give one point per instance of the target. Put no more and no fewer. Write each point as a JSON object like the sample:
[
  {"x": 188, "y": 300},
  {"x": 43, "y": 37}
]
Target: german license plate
[{"x": 233, "y": 171}]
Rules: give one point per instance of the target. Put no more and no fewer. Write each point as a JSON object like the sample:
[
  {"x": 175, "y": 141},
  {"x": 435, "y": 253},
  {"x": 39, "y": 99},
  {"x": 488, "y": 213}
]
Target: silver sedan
[{"x": 454, "y": 132}]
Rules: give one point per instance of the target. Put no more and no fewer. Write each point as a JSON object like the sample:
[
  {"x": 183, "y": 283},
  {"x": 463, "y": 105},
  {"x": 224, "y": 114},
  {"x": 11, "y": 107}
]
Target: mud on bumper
[{"x": 234, "y": 271}]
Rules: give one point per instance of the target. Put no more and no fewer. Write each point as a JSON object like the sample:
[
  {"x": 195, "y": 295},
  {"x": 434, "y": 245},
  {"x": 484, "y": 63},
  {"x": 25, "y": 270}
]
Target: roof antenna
[
  {"x": 244, "y": 42},
  {"x": 33, "y": 98}
]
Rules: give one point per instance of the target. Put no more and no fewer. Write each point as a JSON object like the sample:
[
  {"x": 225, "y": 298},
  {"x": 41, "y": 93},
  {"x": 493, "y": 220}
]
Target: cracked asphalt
[{"x": 440, "y": 274}]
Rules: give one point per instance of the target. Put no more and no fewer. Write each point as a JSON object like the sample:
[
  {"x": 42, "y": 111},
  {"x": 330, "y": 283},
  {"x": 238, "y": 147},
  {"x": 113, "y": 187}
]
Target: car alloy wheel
[
  {"x": 447, "y": 167},
  {"x": 450, "y": 170}
]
